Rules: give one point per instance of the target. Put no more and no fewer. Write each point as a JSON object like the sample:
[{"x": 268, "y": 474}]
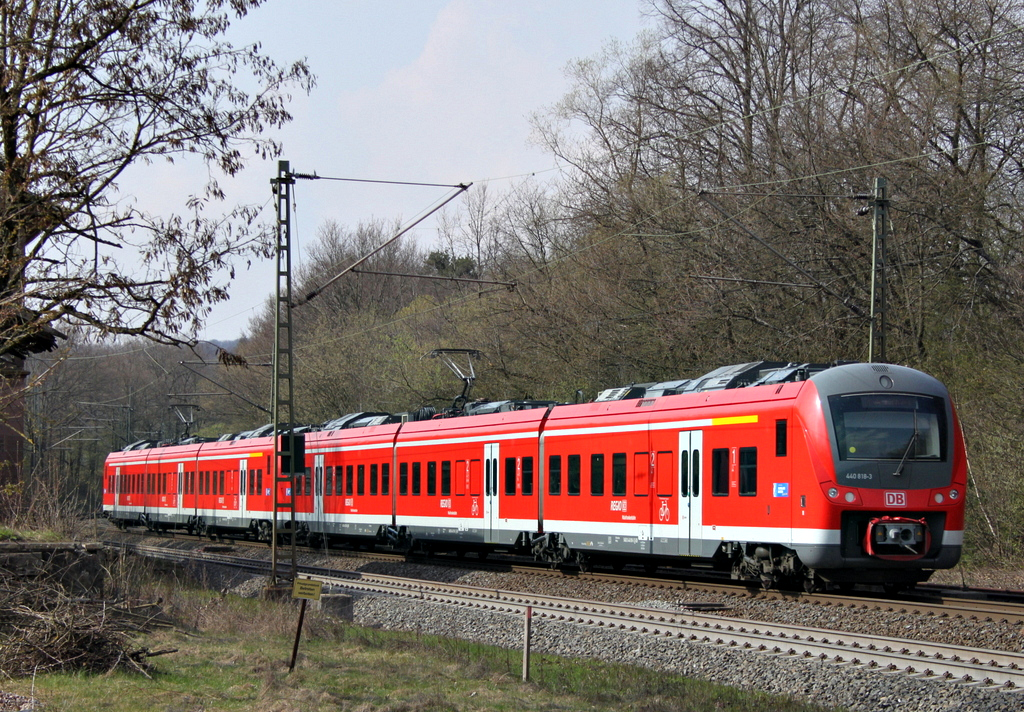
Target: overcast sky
[{"x": 407, "y": 90}]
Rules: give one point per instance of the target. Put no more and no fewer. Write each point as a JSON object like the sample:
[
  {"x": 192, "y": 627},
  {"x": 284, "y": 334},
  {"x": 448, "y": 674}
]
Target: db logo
[{"x": 895, "y": 499}]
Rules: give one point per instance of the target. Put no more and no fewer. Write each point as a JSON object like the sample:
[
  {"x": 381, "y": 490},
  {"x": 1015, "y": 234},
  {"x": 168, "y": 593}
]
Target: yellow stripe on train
[{"x": 734, "y": 420}]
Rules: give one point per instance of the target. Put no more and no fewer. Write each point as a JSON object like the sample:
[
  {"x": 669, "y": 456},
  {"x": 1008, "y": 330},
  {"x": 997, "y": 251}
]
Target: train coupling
[{"x": 897, "y": 538}]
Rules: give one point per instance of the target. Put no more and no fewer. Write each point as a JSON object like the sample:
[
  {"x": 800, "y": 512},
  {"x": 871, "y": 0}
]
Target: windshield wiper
[{"x": 906, "y": 453}]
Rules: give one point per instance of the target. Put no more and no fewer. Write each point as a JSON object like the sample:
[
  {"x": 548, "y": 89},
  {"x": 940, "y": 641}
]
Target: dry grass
[{"x": 232, "y": 655}]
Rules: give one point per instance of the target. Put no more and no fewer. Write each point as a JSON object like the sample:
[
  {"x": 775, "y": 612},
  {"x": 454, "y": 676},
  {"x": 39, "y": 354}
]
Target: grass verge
[{"x": 232, "y": 654}]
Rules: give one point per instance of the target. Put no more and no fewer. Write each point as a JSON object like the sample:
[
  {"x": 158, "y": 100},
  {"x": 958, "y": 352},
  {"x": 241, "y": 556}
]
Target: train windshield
[{"x": 889, "y": 426}]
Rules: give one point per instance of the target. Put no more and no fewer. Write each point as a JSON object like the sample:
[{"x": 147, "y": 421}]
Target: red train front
[
  {"x": 784, "y": 473},
  {"x": 855, "y": 474}
]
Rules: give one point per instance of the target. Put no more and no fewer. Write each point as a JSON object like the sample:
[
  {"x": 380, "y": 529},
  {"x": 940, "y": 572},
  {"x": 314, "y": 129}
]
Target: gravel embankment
[{"x": 823, "y": 683}]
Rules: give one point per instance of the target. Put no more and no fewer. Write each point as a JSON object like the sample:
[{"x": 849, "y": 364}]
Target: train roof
[{"x": 741, "y": 375}]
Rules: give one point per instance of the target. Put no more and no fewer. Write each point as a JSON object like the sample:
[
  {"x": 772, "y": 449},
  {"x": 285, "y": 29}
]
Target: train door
[
  {"x": 116, "y": 485},
  {"x": 244, "y": 487},
  {"x": 318, "y": 487},
  {"x": 691, "y": 519},
  {"x": 178, "y": 496},
  {"x": 490, "y": 492}
]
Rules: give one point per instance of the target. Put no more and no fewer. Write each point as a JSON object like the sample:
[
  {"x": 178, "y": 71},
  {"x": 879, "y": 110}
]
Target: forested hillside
[{"x": 706, "y": 215}]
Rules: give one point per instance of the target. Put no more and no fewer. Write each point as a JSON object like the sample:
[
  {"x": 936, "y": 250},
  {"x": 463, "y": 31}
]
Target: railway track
[
  {"x": 982, "y": 605},
  {"x": 973, "y": 666}
]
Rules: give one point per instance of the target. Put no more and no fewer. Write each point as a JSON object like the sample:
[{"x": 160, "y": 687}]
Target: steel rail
[
  {"x": 921, "y": 659},
  {"x": 927, "y": 601}
]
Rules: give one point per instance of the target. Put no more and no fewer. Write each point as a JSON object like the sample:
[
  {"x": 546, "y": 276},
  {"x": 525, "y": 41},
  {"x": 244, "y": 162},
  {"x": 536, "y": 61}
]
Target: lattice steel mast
[{"x": 282, "y": 392}]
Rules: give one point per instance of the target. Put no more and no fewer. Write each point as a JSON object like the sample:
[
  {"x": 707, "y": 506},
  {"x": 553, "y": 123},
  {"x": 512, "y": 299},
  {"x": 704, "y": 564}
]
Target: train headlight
[
  {"x": 954, "y": 494},
  {"x": 850, "y": 496},
  {"x": 939, "y": 498},
  {"x": 833, "y": 492}
]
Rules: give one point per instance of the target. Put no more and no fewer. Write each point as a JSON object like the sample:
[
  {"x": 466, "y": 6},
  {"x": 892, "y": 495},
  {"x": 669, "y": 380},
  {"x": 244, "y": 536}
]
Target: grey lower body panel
[{"x": 831, "y": 558}]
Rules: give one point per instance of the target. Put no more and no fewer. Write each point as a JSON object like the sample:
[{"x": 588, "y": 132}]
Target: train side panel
[
  {"x": 452, "y": 474},
  {"x": 352, "y": 481}
]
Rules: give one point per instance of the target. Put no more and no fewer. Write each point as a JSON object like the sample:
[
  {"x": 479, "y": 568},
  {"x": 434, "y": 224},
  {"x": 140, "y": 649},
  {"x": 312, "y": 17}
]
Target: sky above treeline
[{"x": 437, "y": 91}]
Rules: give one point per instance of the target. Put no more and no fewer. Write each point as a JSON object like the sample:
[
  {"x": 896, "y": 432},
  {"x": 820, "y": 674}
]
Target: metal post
[
  {"x": 526, "y": 644},
  {"x": 281, "y": 396},
  {"x": 298, "y": 634},
  {"x": 879, "y": 232}
]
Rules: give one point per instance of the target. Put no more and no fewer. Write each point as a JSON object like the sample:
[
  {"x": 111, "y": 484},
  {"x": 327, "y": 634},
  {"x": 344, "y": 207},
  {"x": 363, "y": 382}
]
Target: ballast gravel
[{"x": 823, "y": 683}]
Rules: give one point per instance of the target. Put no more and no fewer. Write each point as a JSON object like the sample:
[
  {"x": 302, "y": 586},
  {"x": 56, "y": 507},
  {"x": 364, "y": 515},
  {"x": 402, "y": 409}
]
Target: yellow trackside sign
[{"x": 307, "y": 588}]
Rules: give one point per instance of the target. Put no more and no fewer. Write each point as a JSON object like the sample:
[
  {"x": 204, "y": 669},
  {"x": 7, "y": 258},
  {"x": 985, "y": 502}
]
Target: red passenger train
[{"x": 788, "y": 474}]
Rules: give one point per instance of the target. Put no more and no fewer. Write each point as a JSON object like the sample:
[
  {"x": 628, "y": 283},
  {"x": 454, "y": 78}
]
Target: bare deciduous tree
[{"x": 89, "y": 89}]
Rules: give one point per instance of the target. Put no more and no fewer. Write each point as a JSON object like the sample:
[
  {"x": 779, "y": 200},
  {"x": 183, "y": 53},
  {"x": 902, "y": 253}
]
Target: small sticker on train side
[{"x": 780, "y": 489}]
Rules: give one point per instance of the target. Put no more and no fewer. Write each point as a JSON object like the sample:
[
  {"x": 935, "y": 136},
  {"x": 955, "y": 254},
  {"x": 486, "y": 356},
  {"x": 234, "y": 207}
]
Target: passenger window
[
  {"x": 461, "y": 477},
  {"x": 619, "y": 474},
  {"x": 527, "y": 475},
  {"x": 338, "y": 481},
  {"x": 446, "y": 477},
  {"x": 474, "y": 478},
  {"x": 641, "y": 474},
  {"x": 403, "y": 478},
  {"x": 748, "y": 471},
  {"x": 431, "y": 479},
  {"x": 348, "y": 480},
  {"x": 361, "y": 480},
  {"x": 695, "y": 473},
  {"x": 373, "y": 479},
  {"x": 385, "y": 478},
  {"x": 573, "y": 485},
  {"x": 666, "y": 474},
  {"x": 510, "y": 475},
  {"x": 597, "y": 475},
  {"x": 416, "y": 478},
  {"x": 684, "y": 473},
  {"x": 720, "y": 471},
  {"x": 487, "y": 478},
  {"x": 555, "y": 474},
  {"x": 780, "y": 438}
]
